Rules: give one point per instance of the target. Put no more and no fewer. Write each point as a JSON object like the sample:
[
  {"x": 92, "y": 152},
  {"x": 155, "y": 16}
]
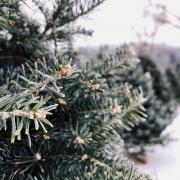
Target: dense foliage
[
  {"x": 56, "y": 121},
  {"x": 159, "y": 103}
]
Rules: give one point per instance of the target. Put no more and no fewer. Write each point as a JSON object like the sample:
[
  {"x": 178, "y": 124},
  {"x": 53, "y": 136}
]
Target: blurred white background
[
  {"x": 164, "y": 162},
  {"x": 113, "y": 23}
]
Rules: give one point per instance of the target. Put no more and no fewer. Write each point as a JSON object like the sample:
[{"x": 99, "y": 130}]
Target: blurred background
[{"x": 118, "y": 21}]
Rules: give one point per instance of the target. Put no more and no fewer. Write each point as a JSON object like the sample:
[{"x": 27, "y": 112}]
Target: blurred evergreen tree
[
  {"x": 160, "y": 108},
  {"x": 173, "y": 75},
  {"x": 159, "y": 104}
]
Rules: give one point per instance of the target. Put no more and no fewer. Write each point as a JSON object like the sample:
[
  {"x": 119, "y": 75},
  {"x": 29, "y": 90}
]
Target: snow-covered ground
[{"x": 164, "y": 162}]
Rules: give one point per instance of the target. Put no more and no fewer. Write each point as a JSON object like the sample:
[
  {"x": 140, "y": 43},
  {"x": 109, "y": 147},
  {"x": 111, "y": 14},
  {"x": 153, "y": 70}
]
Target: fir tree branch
[{"x": 20, "y": 109}]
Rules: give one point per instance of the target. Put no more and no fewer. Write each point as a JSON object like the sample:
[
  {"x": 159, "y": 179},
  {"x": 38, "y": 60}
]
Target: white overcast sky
[{"x": 112, "y": 23}]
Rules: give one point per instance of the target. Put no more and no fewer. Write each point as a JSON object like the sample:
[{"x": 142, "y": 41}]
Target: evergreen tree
[
  {"x": 172, "y": 75},
  {"x": 159, "y": 82},
  {"x": 56, "y": 121},
  {"x": 159, "y": 104},
  {"x": 24, "y": 40}
]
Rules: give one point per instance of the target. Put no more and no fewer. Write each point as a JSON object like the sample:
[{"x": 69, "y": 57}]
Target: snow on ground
[{"x": 164, "y": 162}]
